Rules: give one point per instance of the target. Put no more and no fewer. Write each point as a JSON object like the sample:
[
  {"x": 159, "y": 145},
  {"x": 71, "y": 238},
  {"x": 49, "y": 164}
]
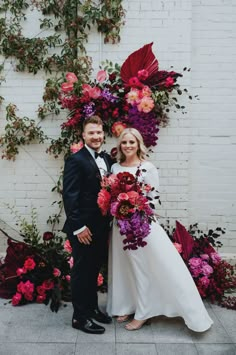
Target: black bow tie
[{"x": 101, "y": 154}]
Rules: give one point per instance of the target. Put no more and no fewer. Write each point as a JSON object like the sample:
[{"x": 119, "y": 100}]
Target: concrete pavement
[{"x": 34, "y": 330}]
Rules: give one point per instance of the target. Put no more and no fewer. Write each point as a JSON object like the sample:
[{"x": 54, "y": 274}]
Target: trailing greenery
[{"x": 59, "y": 47}]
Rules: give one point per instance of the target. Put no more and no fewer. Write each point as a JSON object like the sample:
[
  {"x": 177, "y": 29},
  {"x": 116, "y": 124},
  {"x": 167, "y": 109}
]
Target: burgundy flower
[{"x": 48, "y": 236}]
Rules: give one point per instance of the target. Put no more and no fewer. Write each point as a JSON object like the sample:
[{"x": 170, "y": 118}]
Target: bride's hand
[{"x": 85, "y": 237}]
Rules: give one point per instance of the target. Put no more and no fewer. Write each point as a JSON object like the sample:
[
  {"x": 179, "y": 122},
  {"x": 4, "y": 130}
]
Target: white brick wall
[{"x": 195, "y": 153}]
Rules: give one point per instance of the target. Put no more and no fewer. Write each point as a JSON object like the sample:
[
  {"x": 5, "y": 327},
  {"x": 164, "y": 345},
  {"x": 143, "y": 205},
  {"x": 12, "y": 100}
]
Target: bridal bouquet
[{"x": 126, "y": 199}]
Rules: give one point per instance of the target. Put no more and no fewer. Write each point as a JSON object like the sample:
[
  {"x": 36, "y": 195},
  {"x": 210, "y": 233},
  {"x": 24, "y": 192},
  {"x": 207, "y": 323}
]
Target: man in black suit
[{"x": 86, "y": 228}]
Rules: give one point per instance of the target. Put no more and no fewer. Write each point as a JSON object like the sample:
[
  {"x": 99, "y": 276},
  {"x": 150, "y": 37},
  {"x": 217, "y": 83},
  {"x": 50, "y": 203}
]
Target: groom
[{"x": 86, "y": 228}]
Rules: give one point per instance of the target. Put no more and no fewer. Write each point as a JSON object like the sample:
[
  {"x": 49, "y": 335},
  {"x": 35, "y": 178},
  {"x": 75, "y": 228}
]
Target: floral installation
[
  {"x": 137, "y": 94},
  {"x": 214, "y": 277},
  {"x": 124, "y": 197},
  {"x": 38, "y": 271}
]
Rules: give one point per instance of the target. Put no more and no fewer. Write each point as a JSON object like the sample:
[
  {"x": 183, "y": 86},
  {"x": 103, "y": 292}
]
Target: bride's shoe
[
  {"x": 137, "y": 324},
  {"x": 122, "y": 319}
]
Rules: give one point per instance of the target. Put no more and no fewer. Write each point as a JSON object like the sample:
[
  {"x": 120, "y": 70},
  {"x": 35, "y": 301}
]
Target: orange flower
[{"x": 117, "y": 128}]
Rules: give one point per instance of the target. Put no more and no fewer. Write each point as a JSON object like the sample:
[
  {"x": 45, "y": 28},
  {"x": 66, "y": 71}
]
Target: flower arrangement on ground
[
  {"x": 125, "y": 198},
  {"x": 137, "y": 94},
  {"x": 38, "y": 269},
  {"x": 213, "y": 276}
]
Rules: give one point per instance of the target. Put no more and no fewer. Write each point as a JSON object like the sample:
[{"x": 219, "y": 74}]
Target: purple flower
[
  {"x": 108, "y": 96},
  {"x": 89, "y": 109}
]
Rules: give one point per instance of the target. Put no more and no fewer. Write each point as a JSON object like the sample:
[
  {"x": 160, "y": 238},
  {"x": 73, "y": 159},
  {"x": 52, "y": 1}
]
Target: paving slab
[{"x": 34, "y": 330}]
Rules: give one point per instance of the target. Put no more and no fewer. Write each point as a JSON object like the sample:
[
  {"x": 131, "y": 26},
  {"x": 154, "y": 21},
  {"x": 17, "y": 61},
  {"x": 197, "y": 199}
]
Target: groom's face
[{"x": 93, "y": 136}]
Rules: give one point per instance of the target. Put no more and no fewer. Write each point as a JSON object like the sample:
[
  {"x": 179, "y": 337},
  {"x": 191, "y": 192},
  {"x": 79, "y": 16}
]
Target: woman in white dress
[{"x": 152, "y": 280}]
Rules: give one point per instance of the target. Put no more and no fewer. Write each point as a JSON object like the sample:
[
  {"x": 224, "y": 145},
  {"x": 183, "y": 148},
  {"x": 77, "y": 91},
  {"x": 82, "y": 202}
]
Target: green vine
[{"x": 69, "y": 23}]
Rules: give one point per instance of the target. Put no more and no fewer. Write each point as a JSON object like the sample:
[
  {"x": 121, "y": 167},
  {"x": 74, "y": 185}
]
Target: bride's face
[{"x": 129, "y": 145}]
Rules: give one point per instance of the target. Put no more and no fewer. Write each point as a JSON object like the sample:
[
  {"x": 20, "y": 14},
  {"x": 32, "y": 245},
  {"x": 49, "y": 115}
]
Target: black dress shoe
[
  {"x": 101, "y": 317},
  {"x": 88, "y": 326}
]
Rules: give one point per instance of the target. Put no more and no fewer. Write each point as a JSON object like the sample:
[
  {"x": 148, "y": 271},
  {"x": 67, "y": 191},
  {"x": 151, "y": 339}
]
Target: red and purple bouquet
[{"x": 124, "y": 197}]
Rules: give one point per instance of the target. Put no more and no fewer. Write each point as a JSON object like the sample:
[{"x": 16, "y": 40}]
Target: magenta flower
[
  {"x": 16, "y": 299},
  {"x": 207, "y": 270},
  {"x": 215, "y": 257},
  {"x": 195, "y": 262}
]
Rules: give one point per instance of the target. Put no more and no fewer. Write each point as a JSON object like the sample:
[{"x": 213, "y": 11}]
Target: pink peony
[
  {"x": 67, "y": 246},
  {"x": 195, "y": 271},
  {"x": 215, "y": 257},
  {"x": 100, "y": 279},
  {"x": 101, "y": 76},
  {"x": 67, "y": 87},
  {"x": 132, "y": 97},
  {"x": 117, "y": 128},
  {"x": 71, "y": 78},
  {"x": 146, "y": 104},
  {"x": 16, "y": 299},
  {"x": 56, "y": 272},
  {"x": 133, "y": 197},
  {"x": 29, "y": 264},
  {"x": 94, "y": 93},
  {"x": 178, "y": 246}
]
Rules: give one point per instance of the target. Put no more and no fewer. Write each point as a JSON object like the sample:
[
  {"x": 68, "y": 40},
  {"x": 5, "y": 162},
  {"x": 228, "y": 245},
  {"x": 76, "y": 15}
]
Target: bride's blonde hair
[{"x": 142, "y": 150}]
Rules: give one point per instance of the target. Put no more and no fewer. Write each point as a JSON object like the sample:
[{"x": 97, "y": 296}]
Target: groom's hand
[{"x": 84, "y": 237}]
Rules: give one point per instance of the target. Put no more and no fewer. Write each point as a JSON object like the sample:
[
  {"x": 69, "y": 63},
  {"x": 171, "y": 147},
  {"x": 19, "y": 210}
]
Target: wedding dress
[{"x": 152, "y": 280}]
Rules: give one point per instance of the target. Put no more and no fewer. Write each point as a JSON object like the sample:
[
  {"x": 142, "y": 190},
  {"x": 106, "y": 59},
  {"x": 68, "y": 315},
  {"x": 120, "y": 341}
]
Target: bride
[{"x": 152, "y": 280}]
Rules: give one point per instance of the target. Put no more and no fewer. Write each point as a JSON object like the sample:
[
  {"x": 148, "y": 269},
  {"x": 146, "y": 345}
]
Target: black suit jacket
[{"x": 81, "y": 184}]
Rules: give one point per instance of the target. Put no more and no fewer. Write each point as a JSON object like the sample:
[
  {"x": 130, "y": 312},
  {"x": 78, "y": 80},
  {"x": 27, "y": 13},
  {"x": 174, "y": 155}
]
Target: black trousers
[{"x": 88, "y": 260}]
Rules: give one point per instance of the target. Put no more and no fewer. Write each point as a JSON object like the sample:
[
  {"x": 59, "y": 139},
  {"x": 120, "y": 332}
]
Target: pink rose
[
  {"x": 133, "y": 197},
  {"x": 195, "y": 271},
  {"x": 204, "y": 281},
  {"x": 215, "y": 257},
  {"x": 178, "y": 247},
  {"x": 40, "y": 298},
  {"x": 67, "y": 246},
  {"x": 103, "y": 200},
  {"x": 207, "y": 270},
  {"x": 48, "y": 284},
  {"x": 101, "y": 76},
  {"x": 67, "y": 87},
  {"x": 95, "y": 92},
  {"x": 40, "y": 290},
  {"x": 100, "y": 279},
  {"x": 16, "y": 299},
  {"x": 29, "y": 264},
  {"x": 195, "y": 262},
  {"x": 56, "y": 272},
  {"x": 71, "y": 77},
  {"x": 134, "y": 82}
]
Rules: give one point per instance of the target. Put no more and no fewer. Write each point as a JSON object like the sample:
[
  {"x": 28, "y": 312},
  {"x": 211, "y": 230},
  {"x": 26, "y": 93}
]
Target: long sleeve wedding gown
[{"x": 152, "y": 280}]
